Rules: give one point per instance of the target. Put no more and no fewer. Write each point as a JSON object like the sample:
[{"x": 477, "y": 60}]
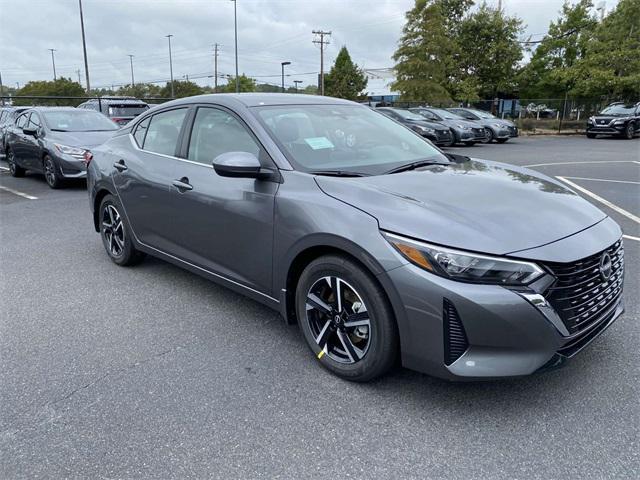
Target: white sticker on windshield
[{"x": 318, "y": 143}]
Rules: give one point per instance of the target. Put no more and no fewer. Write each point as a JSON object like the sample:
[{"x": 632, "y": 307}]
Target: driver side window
[{"x": 216, "y": 132}]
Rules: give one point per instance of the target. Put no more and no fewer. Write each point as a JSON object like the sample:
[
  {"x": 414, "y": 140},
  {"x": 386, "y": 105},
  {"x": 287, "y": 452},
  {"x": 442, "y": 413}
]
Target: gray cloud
[{"x": 270, "y": 31}]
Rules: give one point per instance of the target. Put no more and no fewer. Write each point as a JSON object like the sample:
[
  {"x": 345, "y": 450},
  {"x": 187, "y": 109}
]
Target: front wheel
[
  {"x": 629, "y": 131},
  {"x": 14, "y": 169},
  {"x": 51, "y": 174},
  {"x": 115, "y": 233},
  {"x": 346, "y": 319},
  {"x": 488, "y": 138}
]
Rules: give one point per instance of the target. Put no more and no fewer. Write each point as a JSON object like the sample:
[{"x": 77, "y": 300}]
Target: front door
[
  {"x": 224, "y": 225},
  {"x": 143, "y": 177}
]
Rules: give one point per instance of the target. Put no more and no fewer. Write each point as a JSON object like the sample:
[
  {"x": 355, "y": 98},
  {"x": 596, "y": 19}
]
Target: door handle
[
  {"x": 182, "y": 185},
  {"x": 120, "y": 166}
]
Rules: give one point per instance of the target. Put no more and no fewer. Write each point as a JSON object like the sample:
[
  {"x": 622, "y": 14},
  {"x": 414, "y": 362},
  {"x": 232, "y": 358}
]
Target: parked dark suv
[
  {"x": 618, "y": 119},
  {"x": 119, "y": 109}
]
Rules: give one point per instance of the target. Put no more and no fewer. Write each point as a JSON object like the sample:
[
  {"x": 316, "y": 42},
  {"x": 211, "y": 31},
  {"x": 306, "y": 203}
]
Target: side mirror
[
  {"x": 238, "y": 165},
  {"x": 30, "y": 131}
]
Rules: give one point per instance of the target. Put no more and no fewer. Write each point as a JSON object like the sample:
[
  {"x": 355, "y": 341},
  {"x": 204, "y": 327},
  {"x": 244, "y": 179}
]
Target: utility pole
[
  {"x": 84, "y": 47},
  {"x": 170, "y": 65},
  {"x": 215, "y": 67},
  {"x": 283, "y": 64},
  {"x": 297, "y": 82},
  {"x": 78, "y": 72},
  {"x": 53, "y": 61},
  {"x": 322, "y": 43},
  {"x": 1, "y": 90},
  {"x": 133, "y": 82},
  {"x": 499, "y": 5},
  {"x": 235, "y": 26}
]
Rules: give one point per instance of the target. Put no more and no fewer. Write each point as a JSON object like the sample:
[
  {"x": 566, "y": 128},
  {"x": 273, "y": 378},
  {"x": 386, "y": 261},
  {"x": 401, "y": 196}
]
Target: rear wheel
[
  {"x": 51, "y": 173},
  {"x": 14, "y": 169},
  {"x": 629, "y": 131},
  {"x": 115, "y": 233},
  {"x": 346, "y": 319}
]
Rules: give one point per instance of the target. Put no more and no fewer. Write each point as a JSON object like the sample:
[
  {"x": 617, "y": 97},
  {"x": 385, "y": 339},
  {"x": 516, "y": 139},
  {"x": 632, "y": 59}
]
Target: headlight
[
  {"x": 75, "y": 152},
  {"x": 465, "y": 266},
  {"x": 425, "y": 129},
  {"x": 498, "y": 125},
  {"x": 591, "y": 120},
  {"x": 619, "y": 122},
  {"x": 463, "y": 127}
]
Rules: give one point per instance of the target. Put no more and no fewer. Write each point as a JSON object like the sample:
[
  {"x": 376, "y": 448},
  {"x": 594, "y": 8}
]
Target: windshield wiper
[
  {"x": 414, "y": 165},
  {"x": 338, "y": 173},
  {"x": 58, "y": 130}
]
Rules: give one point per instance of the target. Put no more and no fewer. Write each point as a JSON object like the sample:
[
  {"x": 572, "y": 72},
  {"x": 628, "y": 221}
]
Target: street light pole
[
  {"x": 84, "y": 47},
  {"x": 235, "y": 27},
  {"x": 53, "y": 61},
  {"x": 133, "y": 82},
  {"x": 170, "y": 65},
  {"x": 283, "y": 65},
  {"x": 297, "y": 82}
]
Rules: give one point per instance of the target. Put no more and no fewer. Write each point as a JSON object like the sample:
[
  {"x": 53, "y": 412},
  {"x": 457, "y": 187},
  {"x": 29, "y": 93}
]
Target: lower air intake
[{"x": 455, "y": 338}]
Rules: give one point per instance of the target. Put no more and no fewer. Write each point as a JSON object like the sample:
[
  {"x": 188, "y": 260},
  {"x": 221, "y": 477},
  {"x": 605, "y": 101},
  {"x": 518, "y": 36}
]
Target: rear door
[
  {"x": 222, "y": 224},
  {"x": 143, "y": 176}
]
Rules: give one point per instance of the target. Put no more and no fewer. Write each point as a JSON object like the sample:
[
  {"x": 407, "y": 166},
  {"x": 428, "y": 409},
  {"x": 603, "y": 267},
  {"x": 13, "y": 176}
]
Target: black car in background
[
  {"x": 619, "y": 119},
  {"x": 496, "y": 128},
  {"x": 464, "y": 131},
  {"x": 119, "y": 109},
  {"x": 8, "y": 116},
  {"x": 55, "y": 141},
  {"x": 438, "y": 134}
]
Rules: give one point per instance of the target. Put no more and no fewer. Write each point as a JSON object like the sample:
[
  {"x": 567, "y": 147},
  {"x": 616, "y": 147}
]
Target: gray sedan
[
  {"x": 497, "y": 129},
  {"x": 377, "y": 244},
  {"x": 465, "y": 132}
]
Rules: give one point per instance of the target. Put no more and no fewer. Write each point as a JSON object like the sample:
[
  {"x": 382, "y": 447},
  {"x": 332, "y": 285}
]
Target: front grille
[
  {"x": 455, "y": 338},
  {"x": 443, "y": 134},
  {"x": 479, "y": 132},
  {"x": 580, "y": 294}
]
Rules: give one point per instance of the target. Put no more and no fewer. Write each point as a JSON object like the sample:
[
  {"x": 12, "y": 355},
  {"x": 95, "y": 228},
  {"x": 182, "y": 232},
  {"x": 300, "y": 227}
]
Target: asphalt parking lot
[{"x": 151, "y": 371}]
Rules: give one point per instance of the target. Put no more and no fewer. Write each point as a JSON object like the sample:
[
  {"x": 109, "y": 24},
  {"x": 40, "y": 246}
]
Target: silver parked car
[
  {"x": 375, "y": 242},
  {"x": 464, "y": 131},
  {"x": 496, "y": 128}
]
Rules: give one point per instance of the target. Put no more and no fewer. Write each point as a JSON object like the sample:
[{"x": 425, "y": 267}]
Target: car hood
[
  {"x": 487, "y": 122},
  {"x": 80, "y": 139},
  {"x": 477, "y": 205},
  {"x": 455, "y": 123},
  {"x": 425, "y": 123}
]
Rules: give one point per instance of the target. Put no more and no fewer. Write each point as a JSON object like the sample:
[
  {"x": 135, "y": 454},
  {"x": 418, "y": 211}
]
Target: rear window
[{"x": 126, "y": 110}]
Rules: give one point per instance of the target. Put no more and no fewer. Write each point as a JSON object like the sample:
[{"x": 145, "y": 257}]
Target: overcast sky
[{"x": 269, "y": 31}]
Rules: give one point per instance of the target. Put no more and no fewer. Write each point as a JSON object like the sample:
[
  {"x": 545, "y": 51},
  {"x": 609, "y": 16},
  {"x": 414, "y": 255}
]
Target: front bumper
[
  {"x": 506, "y": 335},
  {"x": 475, "y": 135},
  {"x": 606, "y": 130},
  {"x": 71, "y": 167}
]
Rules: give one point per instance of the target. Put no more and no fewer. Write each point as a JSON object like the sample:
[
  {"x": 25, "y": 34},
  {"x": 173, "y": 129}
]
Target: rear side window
[
  {"x": 141, "y": 131},
  {"x": 163, "y": 132},
  {"x": 216, "y": 132}
]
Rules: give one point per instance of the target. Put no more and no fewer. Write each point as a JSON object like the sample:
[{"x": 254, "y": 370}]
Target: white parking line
[
  {"x": 16, "y": 192},
  {"x": 579, "y": 163},
  {"x": 4, "y": 168},
  {"x": 631, "y": 238},
  {"x": 598, "y": 198},
  {"x": 603, "y": 180}
]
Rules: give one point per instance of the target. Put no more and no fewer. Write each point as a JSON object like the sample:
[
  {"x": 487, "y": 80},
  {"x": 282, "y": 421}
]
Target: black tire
[
  {"x": 374, "y": 346},
  {"x": 52, "y": 173},
  {"x": 119, "y": 247},
  {"x": 630, "y": 131},
  {"x": 502, "y": 140},
  {"x": 489, "y": 136},
  {"x": 469, "y": 144},
  {"x": 14, "y": 169},
  {"x": 591, "y": 135}
]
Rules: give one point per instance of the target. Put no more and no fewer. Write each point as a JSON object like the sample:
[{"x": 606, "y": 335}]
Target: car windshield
[
  {"x": 78, "y": 121},
  {"x": 618, "y": 110},
  {"x": 482, "y": 114},
  {"x": 344, "y": 138},
  {"x": 446, "y": 114},
  {"x": 407, "y": 115}
]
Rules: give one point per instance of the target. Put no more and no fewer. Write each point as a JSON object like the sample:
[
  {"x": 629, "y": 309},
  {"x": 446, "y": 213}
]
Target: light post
[
  {"x": 170, "y": 65},
  {"x": 53, "y": 61},
  {"x": 297, "y": 82},
  {"x": 133, "y": 83},
  {"x": 283, "y": 64},
  {"x": 84, "y": 47},
  {"x": 235, "y": 27}
]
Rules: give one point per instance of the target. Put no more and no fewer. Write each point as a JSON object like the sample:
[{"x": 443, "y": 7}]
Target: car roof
[{"x": 262, "y": 99}]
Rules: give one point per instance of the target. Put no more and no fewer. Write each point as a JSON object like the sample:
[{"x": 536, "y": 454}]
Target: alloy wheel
[
  {"x": 488, "y": 136},
  {"x": 12, "y": 163},
  {"x": 339, "y": 320},
  {"x": 630, "y": 131},
  {"x": 49, "y": 172},
  {"x": 113, "y": 230}
]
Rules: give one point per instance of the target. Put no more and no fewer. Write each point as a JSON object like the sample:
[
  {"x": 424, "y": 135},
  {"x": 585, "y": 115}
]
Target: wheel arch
[{"x": 97, "y": 200}]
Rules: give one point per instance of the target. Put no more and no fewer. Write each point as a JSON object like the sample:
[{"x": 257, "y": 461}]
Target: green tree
[
  {"x": 143, "y": 90},
  {"x": 60, "y": 87},
  {"x": 345, "y": 79},
  {"x": 552, "y": 71},
  {"x": 611, "y": 66},
  {"x": 425, "y": 57},
  {"x": 247, "y": 84},
  {"x": 264, "y": 87},
  {"x": 491, "y": 50},
  {"x": 181, "y": 88}
]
